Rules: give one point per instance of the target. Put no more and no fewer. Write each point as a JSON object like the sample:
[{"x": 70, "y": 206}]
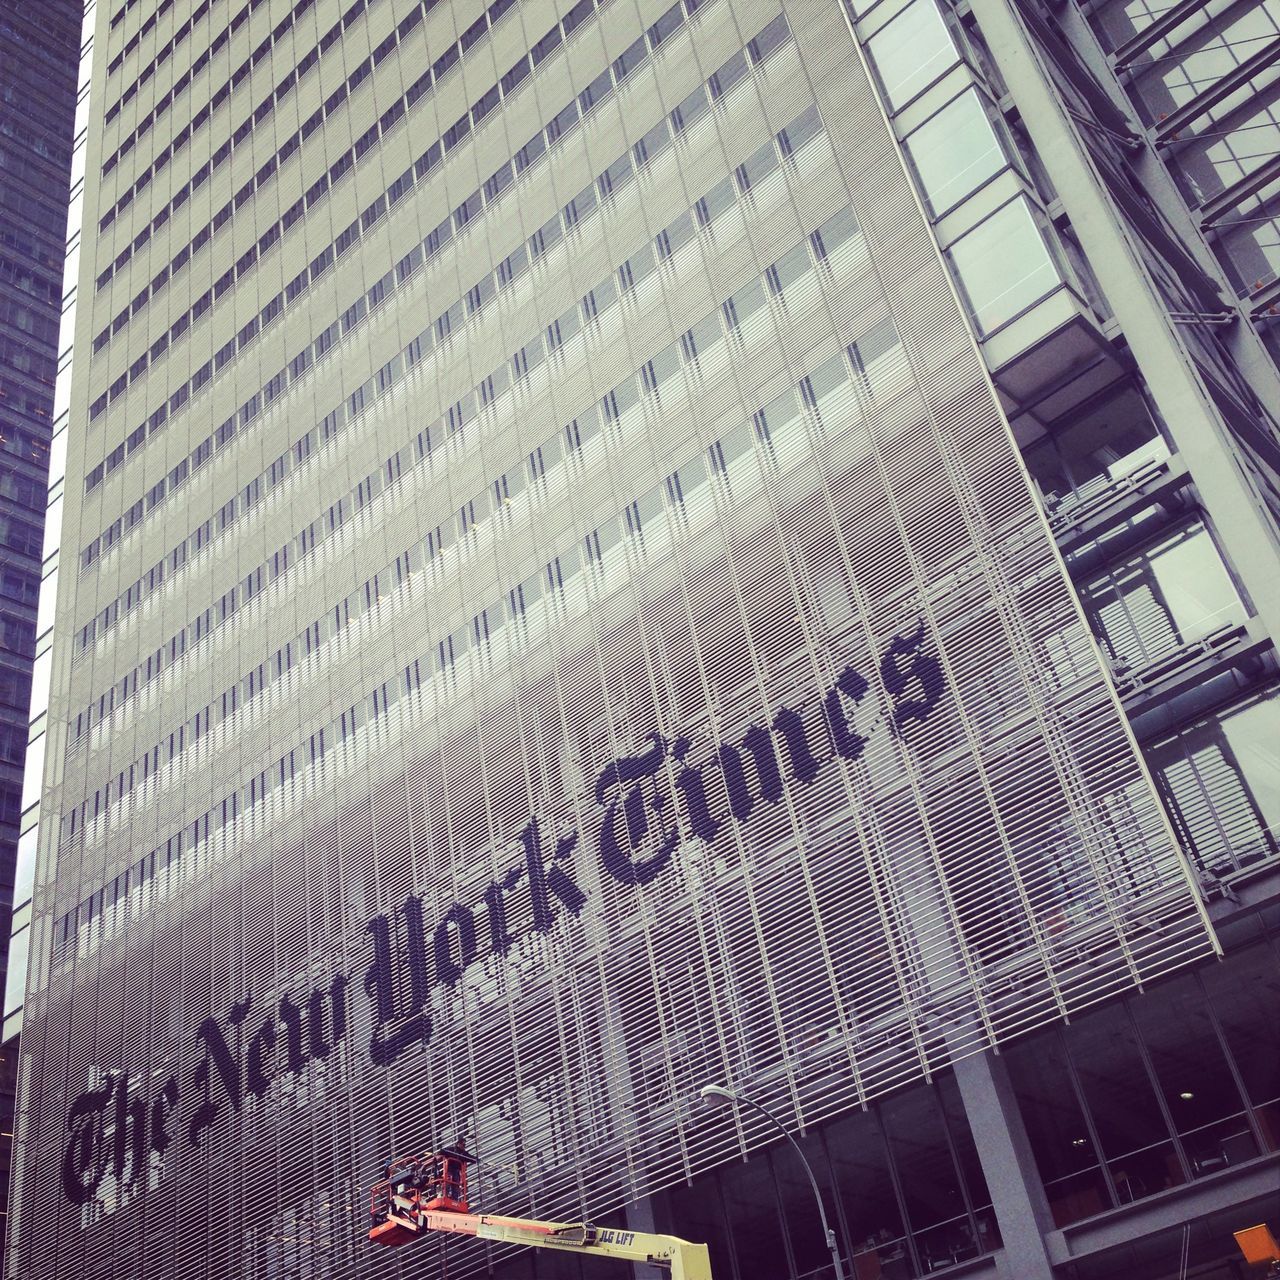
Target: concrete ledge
[{"x": 1230, "y": 1189}]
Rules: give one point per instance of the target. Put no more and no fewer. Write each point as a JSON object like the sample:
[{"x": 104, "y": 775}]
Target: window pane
[
  {"x": 918, "y": 1145},
  {"x": 912, "y": 52},
  {"x": 1004, "y": 266},
  {"x": 1241, "y": 990},
  {"x": 1222, "y": 782},
  {"x": 1193, "y": 1075},
  {"x": 1112, "y": 440},
  {"x": 1122, "y": 1104},
  {"x": 751, "y": 1202},
  {"x": 16, "y": 979},
  {"x": 799, "y": 1209},
  {"x": 1254, "y": 737},
  {"x": 1056, "y": 1129},
  {"x": 860, "y": 1163},
  {"x": 955, "y": 152},
  {"x": 1174, "y": 593}
]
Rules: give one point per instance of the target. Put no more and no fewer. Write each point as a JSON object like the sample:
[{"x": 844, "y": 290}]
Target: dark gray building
[
  {"x": 39, "y": 51},
  {"x": 611, "y": 547}
]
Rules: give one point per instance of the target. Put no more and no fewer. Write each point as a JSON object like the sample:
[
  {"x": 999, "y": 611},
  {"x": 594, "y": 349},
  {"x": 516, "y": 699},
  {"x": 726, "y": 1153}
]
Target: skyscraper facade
[
  {"x": 623, "y": 545},
  {"x": 39, "y": 50}
]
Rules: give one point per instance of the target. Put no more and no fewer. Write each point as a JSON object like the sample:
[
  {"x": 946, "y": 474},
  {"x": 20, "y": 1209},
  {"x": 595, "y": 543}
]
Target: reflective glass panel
[
  {"x": 1240, "y": 991},
  {"x": 1222, "y": 782},
  {"x": 1175, "y": 592},
  {"x": 800, "y": 1210},
  {"x": 1191, "y": 1069},
  {"x": 1004, "y": 266},
  {"x": 955, "y": 152},
  {"x": 912, "y": 52},
  {"x": 860, "y": 1163},
  {"x": 751, "y": 1201},
  {"x": 1122, "y": 1104},
  {"x": 918, "y": 1144}
]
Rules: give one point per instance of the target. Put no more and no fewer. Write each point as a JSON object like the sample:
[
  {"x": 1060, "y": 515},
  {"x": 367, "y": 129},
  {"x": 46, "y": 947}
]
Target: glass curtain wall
[
  {"x": 901, "y": 1183},
  {"x": 1155, "y": 1091}
]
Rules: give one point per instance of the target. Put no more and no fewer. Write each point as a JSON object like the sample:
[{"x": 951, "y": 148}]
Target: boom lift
[{"x": 425, "y": 1193}]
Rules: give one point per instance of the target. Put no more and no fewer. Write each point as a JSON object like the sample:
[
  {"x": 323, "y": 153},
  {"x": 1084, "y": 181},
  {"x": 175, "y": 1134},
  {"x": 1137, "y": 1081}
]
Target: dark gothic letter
[
  {"x": 131, "y": 1134},
  {"x": 291, "y": 1016},
  {"x": 549, "y": 878},
  {"x": 904, "y": 665},
  {"x": 317, "y": 1045},
  {"x": 218, "y": 1060},
  {"x": 449, "y": 970},
  {"x": 258, "y": 1072},
  {"x": 851, "y": 685},
  {"x": 790, "y": 726},
  {"x": 85, "y": 1159},
  {"x": 692, "y": 787},
  {"x": 380, "y": 984},
  {"x": 630, "y": 773},
  {"x": 759, "y": 743}
]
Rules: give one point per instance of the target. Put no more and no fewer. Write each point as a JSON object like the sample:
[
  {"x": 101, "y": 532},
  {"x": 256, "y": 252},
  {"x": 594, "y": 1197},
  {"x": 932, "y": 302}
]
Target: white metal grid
[{"x": 889, "y": 904}]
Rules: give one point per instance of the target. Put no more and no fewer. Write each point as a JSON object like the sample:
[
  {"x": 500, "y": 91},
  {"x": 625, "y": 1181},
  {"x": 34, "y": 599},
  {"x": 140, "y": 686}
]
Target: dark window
[
  {"x": 457, "y": 132},
  {"x": 531, "y": 151},
  {"x": 630, "y": 58},
  {"x": 546, "y": 46},
  {"x": 597, "y": 91},
  {"x": 515, "y": 76},
  {"x": 446, "y": 62},
  {"x": 577, "y": 16},
  {"x": 476, "y": 32},
  {"x": 562, "y": 123},
  {"x": 666, "y": 24},
  {"x": 485, "y": 104}
]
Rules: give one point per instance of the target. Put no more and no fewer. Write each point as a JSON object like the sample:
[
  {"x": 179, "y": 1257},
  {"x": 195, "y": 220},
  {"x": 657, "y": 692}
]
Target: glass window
[
  {"x": 1004, "y": 266},
  {"x": 927, "y": 1173},
  {"x": 912, "y": 52},
  {"x": 1221, "y": 780},
  {"x": 1175, "y": 592},
  {"x": 755, "y": 1225},
  {"x": 1103, "y": 444},
  {"x": 1241, "y": 990},
  {"x": 860, "y": 1164},
  {"x": 799, "y": 1209},
  {"x": 1191, "y": 1069},
  {"x": 24, "y": 876},
  {"x": 955, "y": 152},
  {"x": 1122, "y": 1104},
  {"x": 1056, "y": 1129},
  {"x": 16, "y": 979},
  {"x": 1253, "y": 736}
]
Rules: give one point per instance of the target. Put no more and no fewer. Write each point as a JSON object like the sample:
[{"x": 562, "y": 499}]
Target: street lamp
[{"x": 718, "y": 1096}]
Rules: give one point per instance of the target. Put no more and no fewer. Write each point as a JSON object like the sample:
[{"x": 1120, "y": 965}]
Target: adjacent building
[
  {"x": 621, "y": 545},
  {"x": 39, "y": 50}
]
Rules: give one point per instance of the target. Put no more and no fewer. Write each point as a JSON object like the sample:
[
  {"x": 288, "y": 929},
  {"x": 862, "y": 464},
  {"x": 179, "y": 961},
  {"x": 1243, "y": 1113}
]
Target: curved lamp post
[{"x": 718, "y": 1096}]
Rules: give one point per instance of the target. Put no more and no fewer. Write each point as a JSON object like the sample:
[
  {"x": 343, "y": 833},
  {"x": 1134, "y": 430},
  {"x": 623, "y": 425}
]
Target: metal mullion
[
  {"x": 909, "y": 1234},
  {"x": 1254, "y": 1127},
  {"x": 1083, "y": 1103},
  {"x": 1166, "y": 132},
  {"x": 1154, "y": 1079},
  {"x": 1156, "y": 31}
]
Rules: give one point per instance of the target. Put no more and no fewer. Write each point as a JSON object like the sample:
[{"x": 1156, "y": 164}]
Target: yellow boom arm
[{"x": 683, "y": 1260}]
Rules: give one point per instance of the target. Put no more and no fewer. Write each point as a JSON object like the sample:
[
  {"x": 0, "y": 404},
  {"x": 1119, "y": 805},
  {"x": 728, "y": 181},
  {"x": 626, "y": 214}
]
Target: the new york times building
[{"x": 550, "y": 615}]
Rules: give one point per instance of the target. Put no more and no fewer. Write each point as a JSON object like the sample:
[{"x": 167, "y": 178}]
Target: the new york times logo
[{"x": 649, "y": 803}]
